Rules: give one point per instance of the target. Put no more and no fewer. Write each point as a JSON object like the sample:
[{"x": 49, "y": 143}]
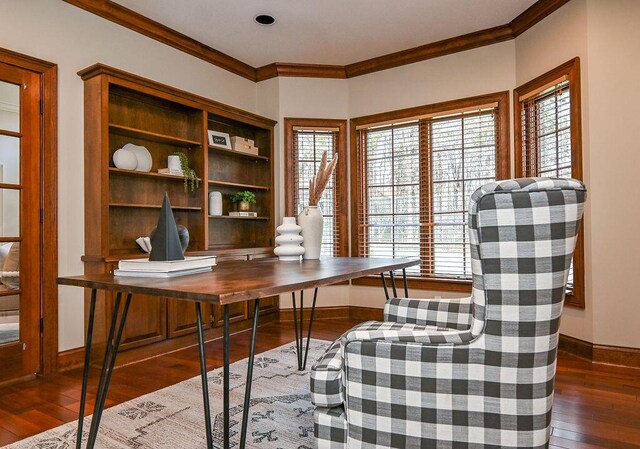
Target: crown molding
[
  {"x": 534, "y": 14},
  {"x": 128, "y": 18},
  {"x": 429, "y": 51},
  {"x": 150, "y": 28},
  {"x": 300, "y": 70}
]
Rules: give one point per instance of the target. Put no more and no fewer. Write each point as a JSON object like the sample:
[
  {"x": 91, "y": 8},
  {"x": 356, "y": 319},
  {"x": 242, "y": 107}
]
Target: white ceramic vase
[
  {"x": 215, "y": 203},
  {"x": 288, "y": 242},
  {"x": 311, "y": 221}
]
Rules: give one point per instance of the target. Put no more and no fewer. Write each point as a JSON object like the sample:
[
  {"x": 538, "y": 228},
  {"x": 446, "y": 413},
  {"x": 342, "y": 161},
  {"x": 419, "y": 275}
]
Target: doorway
[{"x": 25, "y": 287}]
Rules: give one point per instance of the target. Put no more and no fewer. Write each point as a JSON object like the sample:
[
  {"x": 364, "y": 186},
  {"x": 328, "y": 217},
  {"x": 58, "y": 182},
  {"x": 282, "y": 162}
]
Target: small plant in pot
[
  {"x": 243, "y": 200},
  {"x": 191, "y": 180}
]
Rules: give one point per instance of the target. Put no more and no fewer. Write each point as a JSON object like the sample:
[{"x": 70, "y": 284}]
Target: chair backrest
[{"x": 522, "y": 234}]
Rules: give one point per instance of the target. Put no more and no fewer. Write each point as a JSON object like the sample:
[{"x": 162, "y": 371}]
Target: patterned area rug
[{"x": 281, "y": 414}]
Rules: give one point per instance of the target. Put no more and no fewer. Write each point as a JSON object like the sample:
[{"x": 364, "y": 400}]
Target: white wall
[
  {"x": 557, "y": 39},
  {"x": 613, "y": 42},
  {"x": 474, "y": 72},
  {"x": 303, "y": 98},
  {"x": 75, "y": 39}
]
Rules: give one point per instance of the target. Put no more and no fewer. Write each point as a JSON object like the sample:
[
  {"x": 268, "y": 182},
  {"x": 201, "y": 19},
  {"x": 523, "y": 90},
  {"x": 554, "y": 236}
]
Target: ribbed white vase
[
  {"x": 311, "y": 221},
  {"x": 289, "y": 241}
]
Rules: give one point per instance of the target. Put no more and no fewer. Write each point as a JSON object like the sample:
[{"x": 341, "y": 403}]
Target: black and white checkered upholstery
[
  {"x": 449, "y": 313},
  {"x": 487, "y": 380}
]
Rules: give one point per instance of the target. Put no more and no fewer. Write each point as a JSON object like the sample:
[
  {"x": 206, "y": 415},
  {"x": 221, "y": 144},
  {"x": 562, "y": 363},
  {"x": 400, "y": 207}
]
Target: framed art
[{"x": 218, "y": 139}]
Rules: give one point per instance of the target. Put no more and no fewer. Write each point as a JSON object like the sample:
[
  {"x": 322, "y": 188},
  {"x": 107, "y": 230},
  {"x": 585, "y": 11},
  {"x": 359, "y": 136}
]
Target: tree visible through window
[{"x": 415, "y": 179}]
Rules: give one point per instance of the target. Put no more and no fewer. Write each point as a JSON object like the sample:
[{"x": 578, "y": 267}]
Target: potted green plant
[
  {"x": 243, "y": 200},
  {"x": 191, "y": 180}
]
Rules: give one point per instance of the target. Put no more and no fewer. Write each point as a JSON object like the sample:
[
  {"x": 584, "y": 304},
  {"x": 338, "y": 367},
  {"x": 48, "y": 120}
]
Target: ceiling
[{"x": 337, "y": 32}]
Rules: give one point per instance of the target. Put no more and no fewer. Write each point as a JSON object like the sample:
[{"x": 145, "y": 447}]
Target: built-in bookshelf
[{"x": 122, "y": 205}]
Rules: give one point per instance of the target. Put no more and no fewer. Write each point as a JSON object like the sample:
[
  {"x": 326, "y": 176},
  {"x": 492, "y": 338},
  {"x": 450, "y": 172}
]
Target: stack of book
[
  {"x": 243, "y": 214},
  {"x": 169, "y": 171},
  {"x": 165, "y": 269}
]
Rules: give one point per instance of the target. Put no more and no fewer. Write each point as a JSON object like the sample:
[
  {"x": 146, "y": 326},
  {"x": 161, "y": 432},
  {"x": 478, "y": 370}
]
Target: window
[
  {"x": 549, "y": 142},
  {"x": 305, "y": 141},
  {"x": 416, "y": 170}
]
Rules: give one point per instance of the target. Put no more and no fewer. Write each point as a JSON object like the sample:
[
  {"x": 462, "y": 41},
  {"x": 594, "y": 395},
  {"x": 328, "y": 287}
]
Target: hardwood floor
[{"x": 595, "y": 406}]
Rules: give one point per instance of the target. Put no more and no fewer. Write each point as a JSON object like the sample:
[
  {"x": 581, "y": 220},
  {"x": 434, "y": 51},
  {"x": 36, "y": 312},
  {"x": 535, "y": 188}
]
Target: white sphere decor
[
  {"x": 125, "y": 159},
  {"x": 289, "y": 241}
]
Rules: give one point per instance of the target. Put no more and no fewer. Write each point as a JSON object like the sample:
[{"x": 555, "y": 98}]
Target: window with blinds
[
  {"x": 415, "y": 182},
  {"x": 546, "y": 132},
  {"x": 546, "y": 137},
  {"x": 308, "y": 148},
  {"x": 548, "y": 141},
  {"x": 305, "y": 142}
]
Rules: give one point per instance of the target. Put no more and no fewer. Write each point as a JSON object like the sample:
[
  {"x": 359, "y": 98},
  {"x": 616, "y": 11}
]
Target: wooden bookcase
[{"x": 122, "y": 205}]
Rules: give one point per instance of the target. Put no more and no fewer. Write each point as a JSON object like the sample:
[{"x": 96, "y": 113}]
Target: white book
[
  {"x": 160, "y": 274},
  {"x": 167, "y": 266},
  {"x": 243, "y": 214},
  {"x": 169, "y": 171}
]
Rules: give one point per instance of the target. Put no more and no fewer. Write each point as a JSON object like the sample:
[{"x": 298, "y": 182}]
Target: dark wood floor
[{"x": 595, "y": 406}]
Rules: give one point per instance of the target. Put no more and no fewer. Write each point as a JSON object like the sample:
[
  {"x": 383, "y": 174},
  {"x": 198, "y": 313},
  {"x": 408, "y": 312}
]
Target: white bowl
[
  {"x": 125, "y": 159},
  {"x": 145, "y": 162}
]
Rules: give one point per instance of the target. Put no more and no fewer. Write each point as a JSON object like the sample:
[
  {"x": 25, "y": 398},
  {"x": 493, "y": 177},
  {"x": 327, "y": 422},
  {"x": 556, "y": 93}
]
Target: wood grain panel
[{"x": 240, "y": 281}]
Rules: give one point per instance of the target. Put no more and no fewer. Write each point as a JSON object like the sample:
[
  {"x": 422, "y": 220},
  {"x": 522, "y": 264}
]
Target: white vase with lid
[
  {"x": 289, "y": 240},
  {"x": 312, "y": 222}
]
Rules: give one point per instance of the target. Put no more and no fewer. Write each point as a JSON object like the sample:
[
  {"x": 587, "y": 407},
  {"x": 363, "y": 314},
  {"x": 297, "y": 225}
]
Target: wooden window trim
[
  {"x": 570, "y": 70},
  {"x": 341, "y": 172},
  {"x": 503, "y": 169}
]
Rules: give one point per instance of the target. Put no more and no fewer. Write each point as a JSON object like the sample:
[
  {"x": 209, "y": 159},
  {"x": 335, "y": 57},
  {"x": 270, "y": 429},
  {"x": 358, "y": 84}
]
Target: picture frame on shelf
[{"x": 220, "y": 140}]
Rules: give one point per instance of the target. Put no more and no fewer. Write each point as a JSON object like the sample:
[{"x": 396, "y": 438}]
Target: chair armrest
[
  {"x": 404, "y": 332},
  {"x": 452, "y": 313}
]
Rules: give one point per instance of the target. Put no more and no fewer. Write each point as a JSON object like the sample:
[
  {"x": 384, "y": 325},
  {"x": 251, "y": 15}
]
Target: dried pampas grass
[{"x": 319, "y": 182}]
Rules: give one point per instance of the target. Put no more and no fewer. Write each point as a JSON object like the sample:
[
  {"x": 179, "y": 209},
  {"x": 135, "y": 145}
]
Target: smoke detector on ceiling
[{"x": 265, "y": 19}]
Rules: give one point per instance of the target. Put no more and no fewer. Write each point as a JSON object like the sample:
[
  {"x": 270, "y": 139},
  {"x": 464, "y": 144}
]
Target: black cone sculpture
[{"x": 165, "y": 244}]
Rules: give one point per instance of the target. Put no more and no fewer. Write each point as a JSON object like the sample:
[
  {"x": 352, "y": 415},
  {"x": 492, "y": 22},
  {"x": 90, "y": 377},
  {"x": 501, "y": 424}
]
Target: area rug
[{"x": 281, "y": 413}]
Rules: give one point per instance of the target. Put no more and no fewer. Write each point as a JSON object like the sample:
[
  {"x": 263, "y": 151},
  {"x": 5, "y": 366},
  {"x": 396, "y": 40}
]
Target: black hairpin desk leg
[
  {"x": 108, "y": 364},
  {"x": 302, "y": 357}
]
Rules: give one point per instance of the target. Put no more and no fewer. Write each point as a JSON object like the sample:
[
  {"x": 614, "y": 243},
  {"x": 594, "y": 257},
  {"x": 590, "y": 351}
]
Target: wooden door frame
[{"x": 49, "y": 187}]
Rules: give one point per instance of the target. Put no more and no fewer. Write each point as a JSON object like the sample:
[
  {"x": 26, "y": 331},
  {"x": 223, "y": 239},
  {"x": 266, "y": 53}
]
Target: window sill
[{"x": 440, "y": 285}]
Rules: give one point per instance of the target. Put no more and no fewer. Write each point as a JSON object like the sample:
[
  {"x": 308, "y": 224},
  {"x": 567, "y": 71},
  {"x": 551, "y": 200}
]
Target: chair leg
[
  {"x": 393, "y": 284},
  {"x": 384, "y": 284},
  {"x": 404, "y": 283}
]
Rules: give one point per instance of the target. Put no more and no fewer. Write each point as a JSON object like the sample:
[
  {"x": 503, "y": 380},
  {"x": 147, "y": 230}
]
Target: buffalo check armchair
[{"x": 470, "y": 373}]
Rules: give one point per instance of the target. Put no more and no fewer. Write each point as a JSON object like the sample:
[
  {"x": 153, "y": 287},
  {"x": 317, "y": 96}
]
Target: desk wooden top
[{"x": 237, "y": 281}]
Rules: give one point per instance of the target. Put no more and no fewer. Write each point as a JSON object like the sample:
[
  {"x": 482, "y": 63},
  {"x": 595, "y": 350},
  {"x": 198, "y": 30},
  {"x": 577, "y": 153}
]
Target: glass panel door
[{"x": 20, "y": 241}]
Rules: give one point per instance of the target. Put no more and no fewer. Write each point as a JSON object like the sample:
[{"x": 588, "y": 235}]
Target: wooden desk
[{"x": 228, "y": 283}]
